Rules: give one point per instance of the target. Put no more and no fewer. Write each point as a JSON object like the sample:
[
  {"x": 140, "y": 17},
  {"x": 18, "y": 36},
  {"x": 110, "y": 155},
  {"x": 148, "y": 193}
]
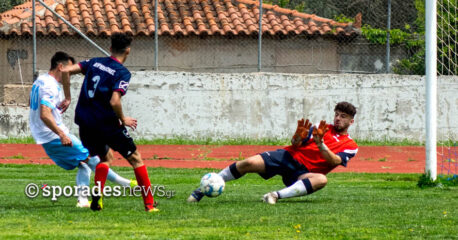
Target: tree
[
  {"x": 6, "y": 5},
  {"x": 374, "y": 11}
]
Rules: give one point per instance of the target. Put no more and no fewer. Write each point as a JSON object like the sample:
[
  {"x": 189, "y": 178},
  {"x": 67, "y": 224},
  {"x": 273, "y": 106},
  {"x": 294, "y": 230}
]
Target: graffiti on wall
[{"x": 13, "y": 55}]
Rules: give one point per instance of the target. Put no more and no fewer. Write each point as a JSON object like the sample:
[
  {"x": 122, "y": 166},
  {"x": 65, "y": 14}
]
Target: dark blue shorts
[
  {"x": 280, "y": 162},
  {"x": 99, "y": 141}
]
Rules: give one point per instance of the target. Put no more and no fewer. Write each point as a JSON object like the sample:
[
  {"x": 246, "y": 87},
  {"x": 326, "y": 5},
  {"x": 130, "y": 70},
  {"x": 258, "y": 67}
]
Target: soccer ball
[{"x": 212, "y": 185}]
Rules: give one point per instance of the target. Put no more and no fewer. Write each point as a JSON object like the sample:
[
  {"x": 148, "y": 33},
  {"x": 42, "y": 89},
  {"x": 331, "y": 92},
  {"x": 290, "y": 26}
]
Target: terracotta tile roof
[{"x": 175, "y": 18}]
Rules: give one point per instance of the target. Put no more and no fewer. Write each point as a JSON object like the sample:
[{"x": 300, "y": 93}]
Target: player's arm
[
  {"x": 48, "y": 119},
  {"x": 302, "y": 132},
  {"x": 72, "y": 69},
  {"x": 115, "y": 103},
  {"x": 318, "y": 132},
  {"x": 66, "y": 72}
]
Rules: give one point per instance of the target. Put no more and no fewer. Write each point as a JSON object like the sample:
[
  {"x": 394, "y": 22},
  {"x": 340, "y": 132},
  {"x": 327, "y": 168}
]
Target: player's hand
[
  {"x": 319, "y": 132},
  {"x": 63, "y": 106},
  {"x": 130, "y": 122},
  {"x": 302, "y": 131},
  {"x": 66, "y": 141}
]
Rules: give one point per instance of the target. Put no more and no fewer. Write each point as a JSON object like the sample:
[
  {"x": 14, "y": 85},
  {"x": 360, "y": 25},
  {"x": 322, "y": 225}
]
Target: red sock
[
  {"x": 143, "y": 181},
  {"x": 101, "y": 172}
]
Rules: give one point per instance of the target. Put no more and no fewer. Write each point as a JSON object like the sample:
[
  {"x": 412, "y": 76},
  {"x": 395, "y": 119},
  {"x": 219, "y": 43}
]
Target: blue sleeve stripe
[
  {"x": 345, "y": 157},
  {"x": 47, "y": 104}
]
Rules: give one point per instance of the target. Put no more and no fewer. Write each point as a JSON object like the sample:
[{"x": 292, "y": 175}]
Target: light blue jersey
[{"x": 45, "y": 91}]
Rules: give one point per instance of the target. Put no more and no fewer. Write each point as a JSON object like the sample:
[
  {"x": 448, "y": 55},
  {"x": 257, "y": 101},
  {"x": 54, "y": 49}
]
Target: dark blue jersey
[{"x": 103, "y": 76}]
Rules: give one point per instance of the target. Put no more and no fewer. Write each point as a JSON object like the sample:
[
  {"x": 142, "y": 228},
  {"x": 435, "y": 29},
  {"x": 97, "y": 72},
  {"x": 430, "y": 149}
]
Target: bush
[{"x": 441, "y": 181}]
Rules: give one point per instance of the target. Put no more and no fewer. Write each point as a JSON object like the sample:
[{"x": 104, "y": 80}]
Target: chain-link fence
[
  {"x": 222, "y": 36},
  {"x": 447, "y": 27},
  {"x": 447, "y": 64}
]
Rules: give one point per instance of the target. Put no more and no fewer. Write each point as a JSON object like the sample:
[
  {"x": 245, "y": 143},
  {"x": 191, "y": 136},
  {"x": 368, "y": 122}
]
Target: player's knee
[
  {"x": 135, "y": 159},
  {"x": 251, "y": 164},
  {"x": 322, "y": 180},
  {"x": 106, "y": 159},
  {"x": 134, "y": 162},
  {"x": 246, "y": 164}
]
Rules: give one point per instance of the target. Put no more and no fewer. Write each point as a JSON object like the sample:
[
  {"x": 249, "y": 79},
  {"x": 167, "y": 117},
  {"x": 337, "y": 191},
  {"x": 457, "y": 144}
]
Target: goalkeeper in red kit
[{"x": 315, "y": 151}]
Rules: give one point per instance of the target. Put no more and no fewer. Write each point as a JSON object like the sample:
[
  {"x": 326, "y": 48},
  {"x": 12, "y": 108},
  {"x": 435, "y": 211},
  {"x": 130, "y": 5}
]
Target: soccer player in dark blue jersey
[{"x": 101, "y": 119}]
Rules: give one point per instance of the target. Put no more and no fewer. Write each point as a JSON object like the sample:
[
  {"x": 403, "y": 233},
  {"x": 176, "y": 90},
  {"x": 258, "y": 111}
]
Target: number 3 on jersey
[{"x": 91, "y": 89}]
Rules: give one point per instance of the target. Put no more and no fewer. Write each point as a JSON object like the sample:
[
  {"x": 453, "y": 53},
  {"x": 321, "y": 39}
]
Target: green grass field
[{"x": 352, "y": 206}]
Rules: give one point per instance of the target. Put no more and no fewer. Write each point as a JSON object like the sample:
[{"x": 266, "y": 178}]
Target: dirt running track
[{"x": 380, "y": 159}]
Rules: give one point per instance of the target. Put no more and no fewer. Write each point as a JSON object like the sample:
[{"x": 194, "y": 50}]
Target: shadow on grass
[
  {"x": 34, "y": 206},
  {"x": 281, "y": 201}
]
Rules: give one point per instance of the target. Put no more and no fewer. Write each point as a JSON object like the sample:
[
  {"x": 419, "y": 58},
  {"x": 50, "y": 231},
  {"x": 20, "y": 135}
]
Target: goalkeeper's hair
[
  {"x": 60, "y": 57},
  {"x": 347, "y": 108},
  {"x": 120, "y": 42}
]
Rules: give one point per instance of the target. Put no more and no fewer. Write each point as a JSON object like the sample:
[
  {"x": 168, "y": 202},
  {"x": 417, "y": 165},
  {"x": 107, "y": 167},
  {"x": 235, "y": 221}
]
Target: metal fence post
[
  {"x": 260, "y": 36},
  {"x": 388, "y": 28},
  {"x": 156, "y": 38},
  {"x": 34, "y": 58}
]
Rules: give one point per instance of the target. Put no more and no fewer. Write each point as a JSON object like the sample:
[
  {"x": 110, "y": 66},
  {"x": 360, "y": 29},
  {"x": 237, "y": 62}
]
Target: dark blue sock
[
  {"x": 234, "y": 171},
  {"x": 308, "y": 185}
]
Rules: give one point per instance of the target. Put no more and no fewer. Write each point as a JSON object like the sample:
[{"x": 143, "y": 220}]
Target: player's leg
[
  {"x": 102, "y": 173},
  {"x": 307, "y": 183},
  {"x": 69, "y": 158},
  {"x": 142, "y": 177},
  {"x": 94, "y": 142},
  {"x": 101, "y": 170},
  {"x": 83, "y": 177},
  {"x": 112, "y": 175},
  {"x": 295, "y": 176},
  {"x": 121, "y": 142},
  {"x": 253, "y": 164},
  {"x": 100, "y": 178}
]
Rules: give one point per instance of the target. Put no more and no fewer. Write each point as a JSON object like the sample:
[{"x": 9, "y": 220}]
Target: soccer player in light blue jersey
[{"x": 66, "y": 150}]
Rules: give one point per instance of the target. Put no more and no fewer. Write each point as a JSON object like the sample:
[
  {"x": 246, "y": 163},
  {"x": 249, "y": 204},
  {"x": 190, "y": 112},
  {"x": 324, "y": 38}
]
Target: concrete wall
[
  {"x": 240, "y": 54},
  {"x": 266, "y": 105},
  {"x": 361, "y": 56},
  {"x": 15, "y": 68}
]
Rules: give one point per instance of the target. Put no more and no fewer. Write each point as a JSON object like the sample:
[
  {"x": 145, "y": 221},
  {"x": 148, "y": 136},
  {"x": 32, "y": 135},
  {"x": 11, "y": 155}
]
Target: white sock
[
  {"x": 115, "y": 178},
  {"x": 295, "y": 190},
  {"x": 83, "y": 175},
  {"x": 82, "y": 179},
  {"x": 226, "y": 174},
  {"x": 92, "y": 162}
]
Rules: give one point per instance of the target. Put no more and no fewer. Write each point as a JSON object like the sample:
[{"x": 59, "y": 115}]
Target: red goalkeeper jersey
[{"x": 309, "y": 155}]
